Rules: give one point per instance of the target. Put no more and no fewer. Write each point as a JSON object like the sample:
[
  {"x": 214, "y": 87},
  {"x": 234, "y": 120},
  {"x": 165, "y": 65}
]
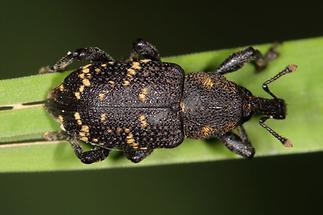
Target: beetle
[{"x": 142, "y": 103}]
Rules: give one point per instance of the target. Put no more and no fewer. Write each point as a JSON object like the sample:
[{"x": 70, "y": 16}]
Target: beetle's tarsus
[
  {"x": 261, "y": 61},
  {"x": 288, "y": 143}
]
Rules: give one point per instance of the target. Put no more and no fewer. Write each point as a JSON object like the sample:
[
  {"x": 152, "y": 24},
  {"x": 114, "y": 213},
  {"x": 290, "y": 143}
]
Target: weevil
[{"x": 143, "y": 103}]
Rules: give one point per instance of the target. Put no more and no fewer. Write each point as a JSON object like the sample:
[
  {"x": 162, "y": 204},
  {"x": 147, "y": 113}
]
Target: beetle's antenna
[
  {"x": 288, "y": 69},
  {"x": 283, "y": 140},
  {"x": 286, "y": 142}
]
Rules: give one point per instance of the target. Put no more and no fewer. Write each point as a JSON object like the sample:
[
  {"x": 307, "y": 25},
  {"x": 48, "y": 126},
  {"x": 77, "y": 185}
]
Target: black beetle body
[{"x": 144, "y": 103}]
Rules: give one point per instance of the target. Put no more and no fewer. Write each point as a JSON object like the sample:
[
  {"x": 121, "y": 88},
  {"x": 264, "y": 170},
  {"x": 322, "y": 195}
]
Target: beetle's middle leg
[
  {"x": 240, "y": 58},
  {"x": 92, "y": 54},
  {"x": 144, "y": 50},
  {"x": 87, "y": 157},
  {"x": 238, "y": 144}
]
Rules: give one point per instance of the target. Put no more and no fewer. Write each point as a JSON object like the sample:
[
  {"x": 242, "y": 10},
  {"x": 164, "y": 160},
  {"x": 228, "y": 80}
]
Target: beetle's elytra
[{"x": 143, "y": 103}]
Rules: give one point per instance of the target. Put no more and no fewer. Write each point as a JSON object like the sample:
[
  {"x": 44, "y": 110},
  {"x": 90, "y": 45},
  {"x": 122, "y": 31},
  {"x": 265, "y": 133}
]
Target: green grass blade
[
  {"x": 301, "y": 90},
  {"x": 28, "y": 89}
]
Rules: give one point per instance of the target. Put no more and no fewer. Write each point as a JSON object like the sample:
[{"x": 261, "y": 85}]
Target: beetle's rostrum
[{"x": 143, "y": 103}]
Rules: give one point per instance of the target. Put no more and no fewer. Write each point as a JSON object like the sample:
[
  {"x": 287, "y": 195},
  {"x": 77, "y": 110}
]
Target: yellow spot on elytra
[
  {"x": 135, "y": 65},
  {"x": 119, "y": 130},
  {"x": 104, "y": 65},
  {"x": 143, "y": 94},
  {"x": 145, "y": 60},
  {"x": 111, "y": 62},
  {"x": 60, "y": 118},
  {"x": 82, "y": 134},
  {"x": 61, "y": 87},
  {"x": 88, "y": 75},
  {"x": 131, "y": 141},
  {"x": 77, "y": 116},
  {"x": 126, "y": 83},
  {"x": 79, "y": 122},
  {"x": 97, "y": 70},
  {"x": 143, "y": 121},
  {"x": 87, "y": 70},
  {"x": 95, "y": 140},
  {"x": 130, "y": 136},
  {"x": 82, "y": 76},
  {"x": 85, "y": 139},
  {"x": 206, "y": 131},
  {"x": 103, "y": 117},
  {"x": 86, "y": 66},
  {"x": 127, "y": 130},
  {"x": 85, "y": 128},
  {"x": 86, "y": 82},
  {"x": 111, "y": 83},
  {"x": 207, "y": 82},
  {"x": 131, "y": 72},
  {"x": 81, "y": 89},
  {"x": 101, "y": 96},
  {"x": 77, "y": 95},
  {"x": 182, "y": 106}
]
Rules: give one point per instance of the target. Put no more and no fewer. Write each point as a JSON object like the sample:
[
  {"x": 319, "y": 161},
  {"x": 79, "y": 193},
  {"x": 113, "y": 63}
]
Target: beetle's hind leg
[
  {"x": 94, "y": 155},
  {"x": 238, "y": 59},
  {"x": 238, "y": 144},
  {"x": 88, "y": 157},
  {"x": 144, "y": 50},
  {"x": 92, "y": 54}
]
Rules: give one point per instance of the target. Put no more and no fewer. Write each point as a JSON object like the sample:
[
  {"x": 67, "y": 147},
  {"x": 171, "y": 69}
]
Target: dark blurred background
[{"x": 37, "y": 33}]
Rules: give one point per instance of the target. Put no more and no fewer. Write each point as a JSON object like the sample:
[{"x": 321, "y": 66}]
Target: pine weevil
[{"x": 143, "y": 103}]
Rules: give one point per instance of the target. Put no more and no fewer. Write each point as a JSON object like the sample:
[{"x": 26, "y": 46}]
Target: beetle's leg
[
  {"x": 144, "y": 50},
  {"x": 239, "y": 144},
  {"x": 88, "y": 157},
  {"x": 238, "y": 59},
  {"x": 137, "y": 155},
  {"x": 92, "y": 54},
  {"x": 94, "y": 155}
]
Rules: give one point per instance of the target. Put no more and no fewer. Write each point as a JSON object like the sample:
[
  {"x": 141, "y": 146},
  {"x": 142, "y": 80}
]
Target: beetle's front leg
[
  {"x": 144, "y": 50},
  {"x": 238, "y": 144},
  {"x": 92, "y": 54},
  {"x": 240, "y": 58},
  {"x": 137, "y": 155}
]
